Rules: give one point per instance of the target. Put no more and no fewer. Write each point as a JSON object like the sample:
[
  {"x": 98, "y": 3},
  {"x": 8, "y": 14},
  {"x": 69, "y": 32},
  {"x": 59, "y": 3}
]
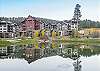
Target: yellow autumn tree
[
  {"x": 36, "y": 33},
  {"x": 43, "y": 45},
  {"x": 53, "y": 34},
  {"x": 53, "y": 45},
  {"x": 36, "y": 45},
  {"x": 43, "y": 33}
]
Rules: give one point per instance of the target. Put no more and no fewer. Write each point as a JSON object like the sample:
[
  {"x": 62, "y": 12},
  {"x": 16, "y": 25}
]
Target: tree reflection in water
[{"x": 33, "y": 52}]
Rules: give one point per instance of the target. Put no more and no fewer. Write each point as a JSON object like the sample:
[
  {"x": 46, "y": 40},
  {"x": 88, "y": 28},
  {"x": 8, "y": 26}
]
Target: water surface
[{"x": 50, "y": 57}]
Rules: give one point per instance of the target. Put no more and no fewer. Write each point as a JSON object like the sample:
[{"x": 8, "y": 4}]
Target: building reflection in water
[
  {"x": 33, "y": 52},
  {"x": 7, "y": 52}
]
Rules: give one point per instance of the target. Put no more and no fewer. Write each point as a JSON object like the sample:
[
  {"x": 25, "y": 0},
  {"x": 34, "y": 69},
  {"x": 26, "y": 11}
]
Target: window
[
  {"x": 0, "y": 28},
  {"x": 4, "y": 28},
  {"x": 4, "y": 31},
  {"x": 29, "y": 20},
  {"x": 4, "y": 49}
]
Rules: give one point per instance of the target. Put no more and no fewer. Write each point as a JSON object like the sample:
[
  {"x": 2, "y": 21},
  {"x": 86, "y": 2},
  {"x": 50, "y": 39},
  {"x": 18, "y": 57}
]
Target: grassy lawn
[
  {"x": 83, "y": 40},
  {"x": 27, "y": 41},
  {"x": 9, "y": 41},
  {"x": 5, "y": 42},
  {"x": 78, "y": 40}
]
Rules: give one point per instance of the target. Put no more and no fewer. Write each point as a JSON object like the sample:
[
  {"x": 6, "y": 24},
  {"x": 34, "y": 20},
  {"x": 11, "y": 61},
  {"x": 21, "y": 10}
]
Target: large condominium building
[{"x": 30, "y": 24}]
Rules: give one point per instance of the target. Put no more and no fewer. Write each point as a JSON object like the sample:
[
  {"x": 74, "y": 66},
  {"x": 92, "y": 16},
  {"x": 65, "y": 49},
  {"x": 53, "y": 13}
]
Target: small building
[
  {"x": 7, "y": 29},
  {"x": 91, "y": 32},
  {"x": 66, "y": 28}
]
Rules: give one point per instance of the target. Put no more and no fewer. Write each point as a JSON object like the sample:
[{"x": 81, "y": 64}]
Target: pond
[{"x": 50, "y": 57}]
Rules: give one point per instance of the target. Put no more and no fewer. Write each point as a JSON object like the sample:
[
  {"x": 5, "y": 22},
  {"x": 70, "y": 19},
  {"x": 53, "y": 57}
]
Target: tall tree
[{"x": 77, "y": 15}]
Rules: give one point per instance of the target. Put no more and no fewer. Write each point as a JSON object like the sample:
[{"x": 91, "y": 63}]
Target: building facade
[
  {"x": 90, "y": 33},
  {"x": 7, "y": 29},
  {"x": 28, "y": 26}
]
